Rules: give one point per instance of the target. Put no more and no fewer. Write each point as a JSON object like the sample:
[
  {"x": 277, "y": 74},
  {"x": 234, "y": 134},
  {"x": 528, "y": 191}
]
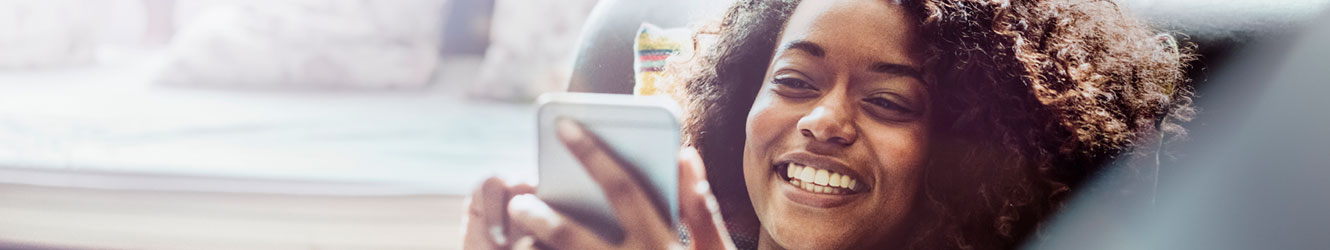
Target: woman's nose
[{"x": 829, "y": 122}]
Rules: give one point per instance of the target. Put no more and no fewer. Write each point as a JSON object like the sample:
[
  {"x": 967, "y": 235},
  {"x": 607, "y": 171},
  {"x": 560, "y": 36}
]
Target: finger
[
  {"x": 635, "y": 211},
  {"x": 520, "y": 188},
  {"x": 514, "y": 187},
  {"x": 525, "y": 243},
  {"x": 550, "y": 227},
  {"x": 700, "y": 212},
  {"x": 474, "y": 229},
  {"x": 485, "y": 218},
  {"x": 517, "y": 185}
]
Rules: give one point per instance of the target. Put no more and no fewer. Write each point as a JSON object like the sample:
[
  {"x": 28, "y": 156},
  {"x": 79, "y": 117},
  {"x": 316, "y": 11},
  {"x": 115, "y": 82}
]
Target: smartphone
[{"x": 643, "y": 131}]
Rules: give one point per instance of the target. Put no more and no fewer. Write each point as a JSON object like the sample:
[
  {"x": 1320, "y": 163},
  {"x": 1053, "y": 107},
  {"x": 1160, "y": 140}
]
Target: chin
[{"x": 804, "y": 236}]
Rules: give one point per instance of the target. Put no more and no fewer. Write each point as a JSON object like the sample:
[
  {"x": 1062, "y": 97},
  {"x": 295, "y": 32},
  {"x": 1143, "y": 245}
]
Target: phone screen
[{"x": 638, "y": 130}]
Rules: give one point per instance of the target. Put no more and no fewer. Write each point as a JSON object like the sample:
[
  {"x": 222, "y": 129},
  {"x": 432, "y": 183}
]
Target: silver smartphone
[{"x": 642, "y": 130}]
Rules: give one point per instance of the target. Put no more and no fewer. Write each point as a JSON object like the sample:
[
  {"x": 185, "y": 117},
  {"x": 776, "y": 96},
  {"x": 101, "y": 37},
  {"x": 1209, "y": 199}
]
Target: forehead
[{"x": 869, "y": 30}]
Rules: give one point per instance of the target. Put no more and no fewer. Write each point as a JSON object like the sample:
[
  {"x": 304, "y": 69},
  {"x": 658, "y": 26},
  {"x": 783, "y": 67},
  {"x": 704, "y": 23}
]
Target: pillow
[
  {"x": 655, "y": 48},
  {"x": 532, "y": 48},
  {"x": 307, "y": 43},
  {"x": 38, "y": 34}
]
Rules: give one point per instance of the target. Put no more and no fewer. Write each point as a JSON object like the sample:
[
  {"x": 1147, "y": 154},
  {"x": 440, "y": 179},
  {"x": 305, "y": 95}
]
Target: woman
[{"x": 883, "y": 124}]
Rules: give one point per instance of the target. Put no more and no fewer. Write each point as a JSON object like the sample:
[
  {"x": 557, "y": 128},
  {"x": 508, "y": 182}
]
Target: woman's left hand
[{"x": 644, "y": 226}]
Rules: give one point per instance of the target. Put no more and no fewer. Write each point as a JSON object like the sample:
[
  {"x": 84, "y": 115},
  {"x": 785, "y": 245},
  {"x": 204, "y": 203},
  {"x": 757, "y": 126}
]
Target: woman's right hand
[{"x": 493, "y": 223}]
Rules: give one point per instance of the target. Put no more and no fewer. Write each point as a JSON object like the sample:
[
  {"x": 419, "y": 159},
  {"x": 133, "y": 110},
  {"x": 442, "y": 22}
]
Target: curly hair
[{"x": 1034, "y": 96}]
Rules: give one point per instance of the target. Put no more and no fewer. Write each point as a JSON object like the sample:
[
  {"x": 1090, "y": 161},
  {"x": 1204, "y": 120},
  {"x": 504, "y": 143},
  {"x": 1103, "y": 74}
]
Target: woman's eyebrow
[
  {"x": 877, "y": 67},
  {"x": 895, "y": 69},
  {"x": 806, "y": 46}
]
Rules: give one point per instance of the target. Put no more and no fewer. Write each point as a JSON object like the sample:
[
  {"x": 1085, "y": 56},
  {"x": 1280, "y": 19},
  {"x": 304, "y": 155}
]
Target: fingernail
[
  {"x": 526, "y": 242},
  {"x": 568, "y": 128},
  {"x": 702, "y": 187},
  {"x": 712, "y": 204},
  {"x": 531, "y": 212},
  {"x": 496, "y": 233}
]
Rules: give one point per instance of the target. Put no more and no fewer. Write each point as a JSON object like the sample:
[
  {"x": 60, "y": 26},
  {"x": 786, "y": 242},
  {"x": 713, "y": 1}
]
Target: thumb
[{"x": 699, "y": 210}]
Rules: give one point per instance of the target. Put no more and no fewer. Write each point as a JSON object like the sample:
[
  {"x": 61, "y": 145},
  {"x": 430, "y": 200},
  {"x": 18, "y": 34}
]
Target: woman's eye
[
  {"x": 889, "y": 109},
  {"x": 793, "y": 83},
  {"x": 883, "y": 103},
  {"x": 793, "y": 87}
]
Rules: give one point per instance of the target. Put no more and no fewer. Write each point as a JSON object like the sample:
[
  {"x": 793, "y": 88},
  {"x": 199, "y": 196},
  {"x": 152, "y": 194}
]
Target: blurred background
[
  {"x": 253, "y": 124},
  {"x": 332, "y": 90},
  {"x": 358, "y": 124}
]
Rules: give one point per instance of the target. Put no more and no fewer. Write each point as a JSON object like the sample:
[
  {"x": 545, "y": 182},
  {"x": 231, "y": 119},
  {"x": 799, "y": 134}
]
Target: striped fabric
[{"x": 653, "y": 48}]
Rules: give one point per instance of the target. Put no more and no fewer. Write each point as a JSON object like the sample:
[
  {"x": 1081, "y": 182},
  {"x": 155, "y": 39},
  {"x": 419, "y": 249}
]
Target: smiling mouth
[{"x": 817, "y": 180}]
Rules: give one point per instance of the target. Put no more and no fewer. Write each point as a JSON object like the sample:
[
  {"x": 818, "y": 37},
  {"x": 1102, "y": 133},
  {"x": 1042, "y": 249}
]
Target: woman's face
[{"x": 838, "y": 134}]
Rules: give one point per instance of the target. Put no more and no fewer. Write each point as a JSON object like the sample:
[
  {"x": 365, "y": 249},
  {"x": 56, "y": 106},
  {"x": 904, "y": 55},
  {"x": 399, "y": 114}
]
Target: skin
[{"x": 843, "y": 86}]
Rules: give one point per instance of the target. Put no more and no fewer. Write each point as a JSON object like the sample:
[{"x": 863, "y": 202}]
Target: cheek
[
  {"x": 904, "y": 151},
  {"x": 906, "y": 147},
  {"x": 766, "y": 121},
  {"x": 756, "y": 115}
]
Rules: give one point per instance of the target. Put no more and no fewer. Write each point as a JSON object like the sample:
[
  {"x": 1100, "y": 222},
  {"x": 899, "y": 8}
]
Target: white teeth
[
  {"x": 821, "y": 177},
  {"x": 819, "y": 180},
  {"x": 807, "y": 174}
]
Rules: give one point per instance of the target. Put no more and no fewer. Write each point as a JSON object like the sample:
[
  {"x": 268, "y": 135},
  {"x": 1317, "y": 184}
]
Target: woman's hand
[
  {"x": 486, "y": 219},
  {"x": 644, "y": 227}
]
